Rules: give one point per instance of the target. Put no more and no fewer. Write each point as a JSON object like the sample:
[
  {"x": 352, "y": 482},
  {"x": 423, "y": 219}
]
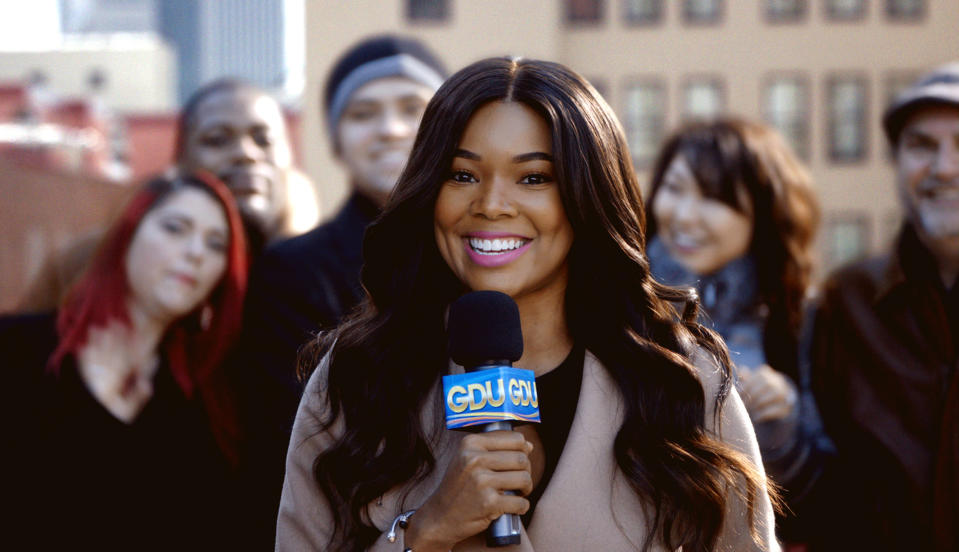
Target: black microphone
[{"x": 485, "y": 332}]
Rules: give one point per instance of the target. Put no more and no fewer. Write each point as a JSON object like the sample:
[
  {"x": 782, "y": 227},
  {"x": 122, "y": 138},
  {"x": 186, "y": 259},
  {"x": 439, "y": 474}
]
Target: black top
[
  {"x": 884, "y": 357},
  {"x": 298, "y": 287},
  {"x": 558, "y": 394},
  {"x": 83, "y": 480}
]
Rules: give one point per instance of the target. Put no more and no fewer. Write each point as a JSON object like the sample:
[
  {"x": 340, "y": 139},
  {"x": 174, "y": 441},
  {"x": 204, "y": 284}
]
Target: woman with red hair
[{"x": 126, "y": 431}]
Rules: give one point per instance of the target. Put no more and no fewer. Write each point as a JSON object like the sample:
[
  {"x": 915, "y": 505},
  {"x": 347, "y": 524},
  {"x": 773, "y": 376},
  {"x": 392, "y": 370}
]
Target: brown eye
[
  {"x": 216, "y": 243},
  {"x": 536, "y": 178},
  {"x": 215, "y": 139},
  {"x": 263, "y": 139},
  {"x": 173, "y": 227},
  {"x": 463, "y": 177},
  {"x": 360, "y": 113}
]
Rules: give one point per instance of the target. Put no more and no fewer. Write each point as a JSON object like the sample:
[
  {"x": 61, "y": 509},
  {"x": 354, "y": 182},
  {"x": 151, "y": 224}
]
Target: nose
[
  {"x": 393, "y": 124},
  {"x": 494, "y": 200},
  {"x": 946, "y": 164},
  {"x": 195, "y": 248},
  {"x": 686, "y": 212},
  {"x": 245, "y": 150}
]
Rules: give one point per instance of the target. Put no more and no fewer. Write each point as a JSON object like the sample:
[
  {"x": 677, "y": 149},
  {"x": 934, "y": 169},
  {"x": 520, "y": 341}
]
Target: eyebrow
[
  {"x": 521, "y": 158},
  {"x": 173, "y": 212}
]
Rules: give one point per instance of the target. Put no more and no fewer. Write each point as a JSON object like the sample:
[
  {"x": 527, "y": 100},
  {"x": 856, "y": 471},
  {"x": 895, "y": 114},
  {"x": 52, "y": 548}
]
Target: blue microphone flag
[{"x": 494, "y": 394}]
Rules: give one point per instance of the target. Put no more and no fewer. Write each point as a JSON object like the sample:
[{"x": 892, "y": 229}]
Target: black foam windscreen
[{"x": 484, "y": 326}]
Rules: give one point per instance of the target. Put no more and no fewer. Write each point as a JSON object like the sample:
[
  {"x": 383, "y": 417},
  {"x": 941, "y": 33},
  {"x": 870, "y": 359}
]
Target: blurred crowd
[{"x": 157, "y": 366}]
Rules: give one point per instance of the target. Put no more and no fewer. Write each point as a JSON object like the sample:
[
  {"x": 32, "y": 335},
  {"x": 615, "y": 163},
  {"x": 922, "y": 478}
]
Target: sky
[{"x": 34, "y": 25}]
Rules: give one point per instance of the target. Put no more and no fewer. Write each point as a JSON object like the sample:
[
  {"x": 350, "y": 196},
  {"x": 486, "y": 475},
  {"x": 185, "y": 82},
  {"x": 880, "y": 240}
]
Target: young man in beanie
[
  {"x": 374, "y": 99},
  {"x": 886, "y": 346}
]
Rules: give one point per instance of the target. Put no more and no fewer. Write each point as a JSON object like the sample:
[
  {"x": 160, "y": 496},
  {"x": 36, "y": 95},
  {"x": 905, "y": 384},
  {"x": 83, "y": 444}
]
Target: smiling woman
[
  {"x": 124, "y": 384},
  {"x": 733, "y": 216},
  {"x": 499, "y": 218},
  {"x": 520, "y": 181}
]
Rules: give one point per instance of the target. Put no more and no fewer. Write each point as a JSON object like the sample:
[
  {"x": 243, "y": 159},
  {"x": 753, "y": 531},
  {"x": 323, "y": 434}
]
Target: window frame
[
  {"x": 601, "y": 8},
  {"x": 634, "y": 21},
  {"x": 861, "y": 218},
  {"x": 804, "y": 147},
  {"x": 711, "y": 78},
  {"x": 773, "y": 19},
  {"x": 717, "y": 20},
  {"x": 660, "y": 82},
  {"x": 832, "y": 16},
  {"x": 919, "y": 17},
  {"x": 832, "y": 155},
  {"x": 444, "y": 17}
]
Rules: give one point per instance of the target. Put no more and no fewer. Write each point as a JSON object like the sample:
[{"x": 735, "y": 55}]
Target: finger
[
  {"x": 769, "y": 413},
  {"x": 507, "y": 461},
  {"x": 513, "y": 504},
  {"x": 769, "y": 398},
  {"x": 498, "y": 440},
  {"x": 517, "y": 481}
]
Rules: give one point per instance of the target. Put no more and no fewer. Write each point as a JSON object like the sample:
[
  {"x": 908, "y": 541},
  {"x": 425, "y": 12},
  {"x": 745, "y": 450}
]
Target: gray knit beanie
[{"x": 375, "y": 58}]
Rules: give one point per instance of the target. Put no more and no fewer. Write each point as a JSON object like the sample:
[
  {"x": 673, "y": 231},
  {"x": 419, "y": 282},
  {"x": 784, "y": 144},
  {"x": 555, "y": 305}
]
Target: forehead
[
  {"x": 510, "y": 126},
  {"x": 194, "y": 204},
  {"x": 239, "y": 108},
  {"x": 933, "y": 119},
  {"x": 388, "y": 89},
  {"x": 679, "y": 167}
]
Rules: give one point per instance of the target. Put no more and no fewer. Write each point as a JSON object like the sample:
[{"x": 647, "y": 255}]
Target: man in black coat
[
  {"x": 886, "y": 347},
  {"x": 374, "y": 99}
]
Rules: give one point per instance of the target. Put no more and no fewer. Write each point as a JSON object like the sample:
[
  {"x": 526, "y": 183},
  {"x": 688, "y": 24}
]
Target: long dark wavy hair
[
  {"x": 389, "y": 354},
  {"x": 734, "y": 160}
]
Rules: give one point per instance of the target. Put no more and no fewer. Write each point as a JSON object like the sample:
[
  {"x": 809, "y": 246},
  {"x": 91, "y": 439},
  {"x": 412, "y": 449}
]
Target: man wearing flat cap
[{"x": 886, "y": 345}]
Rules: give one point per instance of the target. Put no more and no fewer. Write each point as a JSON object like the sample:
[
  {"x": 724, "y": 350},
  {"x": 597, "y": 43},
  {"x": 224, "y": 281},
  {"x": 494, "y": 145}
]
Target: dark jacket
[
  {"x": 80, "y": 479},
  {"x": 298, "y": 287},
  {"x": 884, "y": 375},
  {"x": 795, "y": 449}
]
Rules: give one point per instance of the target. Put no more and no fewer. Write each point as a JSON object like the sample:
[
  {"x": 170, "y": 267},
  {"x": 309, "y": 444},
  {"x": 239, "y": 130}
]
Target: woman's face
[
  {"x": 701, "y": 233},
  {"x": 178, "y": 254},
  {"x": 499, "y": 220}
]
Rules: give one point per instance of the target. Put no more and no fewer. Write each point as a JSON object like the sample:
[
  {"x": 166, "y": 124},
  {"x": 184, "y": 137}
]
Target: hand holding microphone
[{"x": 491, "y": 466}]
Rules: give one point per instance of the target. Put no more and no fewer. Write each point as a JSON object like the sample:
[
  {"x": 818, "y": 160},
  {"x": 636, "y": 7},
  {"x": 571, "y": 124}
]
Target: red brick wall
[{"x": 41, "y": 211}]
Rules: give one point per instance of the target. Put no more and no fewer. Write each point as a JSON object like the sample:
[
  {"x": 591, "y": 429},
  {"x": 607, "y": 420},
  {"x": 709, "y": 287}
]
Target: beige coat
[{"x": 588, "y": 505}]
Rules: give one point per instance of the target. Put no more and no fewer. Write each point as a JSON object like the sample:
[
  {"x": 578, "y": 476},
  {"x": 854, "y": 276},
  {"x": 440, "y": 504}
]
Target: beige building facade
[
  {"x": 136, "y": 72},
  {"x": 822, "y": 71}
]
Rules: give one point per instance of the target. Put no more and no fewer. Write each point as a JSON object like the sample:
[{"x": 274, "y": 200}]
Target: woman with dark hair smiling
[
  {"x": 520, "y": 181},
  {"x": 125, "y": 435},
  {"x": 734, "y": 215}
]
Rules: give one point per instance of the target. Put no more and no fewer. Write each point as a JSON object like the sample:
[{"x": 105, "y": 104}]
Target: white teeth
[
  {"x": 493, "y": 247},
  {"x": 684, "y": 240}
]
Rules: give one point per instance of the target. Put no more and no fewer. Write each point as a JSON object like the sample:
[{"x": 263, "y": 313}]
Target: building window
[
  {"x": 785, "y": 107},
  {"x": 847, "y": 238},
  {"x": 584, "y": 11},
  {"x": 428, "y": 10},
  {"x": 702, "y": 11},
  {"x": 905, "y": 10},
  {"x": 846, "y": 10},
  {"x": 846, "y": 108},
  {"x": 702, "y": 98},
  {"x": 785, "y": 11},
  {"x": 644, "y": 12},
  {"x": 645, "y": 119}
]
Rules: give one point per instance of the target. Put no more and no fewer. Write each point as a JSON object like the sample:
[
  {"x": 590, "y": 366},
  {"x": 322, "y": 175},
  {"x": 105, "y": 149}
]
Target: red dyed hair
[{"x": 194, "y": 345}]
